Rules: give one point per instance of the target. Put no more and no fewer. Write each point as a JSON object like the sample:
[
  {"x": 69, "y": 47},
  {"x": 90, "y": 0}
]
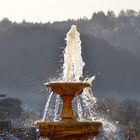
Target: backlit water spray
[{"x": 84, "y": 103}]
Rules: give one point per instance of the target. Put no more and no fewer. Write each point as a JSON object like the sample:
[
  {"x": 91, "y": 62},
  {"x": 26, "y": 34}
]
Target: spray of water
[
  {"x": 73, "y": 63},
  {"x": 73, "y": 71}
]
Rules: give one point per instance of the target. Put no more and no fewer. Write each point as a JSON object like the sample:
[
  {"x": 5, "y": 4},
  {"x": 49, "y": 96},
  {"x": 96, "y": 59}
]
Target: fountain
[{"x": 68, "y": 127}]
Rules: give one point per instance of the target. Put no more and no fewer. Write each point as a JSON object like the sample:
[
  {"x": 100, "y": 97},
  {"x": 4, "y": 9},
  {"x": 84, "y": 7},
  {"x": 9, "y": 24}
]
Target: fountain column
[{"x": 67, "y": 111}]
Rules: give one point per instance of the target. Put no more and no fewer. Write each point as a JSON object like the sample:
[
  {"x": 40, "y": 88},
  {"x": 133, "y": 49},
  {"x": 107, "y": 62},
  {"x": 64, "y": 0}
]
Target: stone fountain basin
[
  {"x": 66, "y": 130},
  {"x": 68, "y": 88}
]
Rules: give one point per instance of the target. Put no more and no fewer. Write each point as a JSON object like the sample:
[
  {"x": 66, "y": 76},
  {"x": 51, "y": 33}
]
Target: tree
[
  {"x": 10, "y": 108},
  {"x": 5, "y": 23}
]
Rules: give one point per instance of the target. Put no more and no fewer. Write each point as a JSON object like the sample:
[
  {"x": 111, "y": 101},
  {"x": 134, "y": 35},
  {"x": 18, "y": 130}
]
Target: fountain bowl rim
[{"x": 65, "y": 82}]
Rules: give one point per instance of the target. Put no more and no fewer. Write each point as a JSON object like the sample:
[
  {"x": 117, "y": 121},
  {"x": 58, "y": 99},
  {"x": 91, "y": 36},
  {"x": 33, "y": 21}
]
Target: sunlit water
[{"x": 83, "y": 104}]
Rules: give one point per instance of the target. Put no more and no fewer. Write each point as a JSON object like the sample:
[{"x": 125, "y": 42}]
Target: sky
[{"x": 57, "y": 10}]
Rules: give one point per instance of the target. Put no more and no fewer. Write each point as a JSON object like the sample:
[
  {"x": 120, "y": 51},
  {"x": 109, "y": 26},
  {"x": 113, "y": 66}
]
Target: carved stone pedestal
[{"x": 68, "y": 128}]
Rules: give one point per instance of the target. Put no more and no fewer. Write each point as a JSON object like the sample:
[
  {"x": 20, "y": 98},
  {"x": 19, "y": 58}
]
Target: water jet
[{"x": 68, "y": 127}]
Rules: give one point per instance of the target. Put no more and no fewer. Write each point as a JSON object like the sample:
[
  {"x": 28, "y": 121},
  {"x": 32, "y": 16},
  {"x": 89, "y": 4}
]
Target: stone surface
[
  {"x": 68, "y": 130},
  {"x": 67, "y": 88}
]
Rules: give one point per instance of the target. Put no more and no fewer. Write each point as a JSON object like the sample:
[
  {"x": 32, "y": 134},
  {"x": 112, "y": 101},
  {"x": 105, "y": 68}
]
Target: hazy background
[
  {"x": 32, "y": 40},
  {"x": 32, "y": 53}
]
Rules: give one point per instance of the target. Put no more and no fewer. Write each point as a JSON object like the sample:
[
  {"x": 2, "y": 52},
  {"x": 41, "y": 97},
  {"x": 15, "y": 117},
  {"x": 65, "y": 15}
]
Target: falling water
[
  {"x": 79, "y": 107},
  {"x": 57, "y": 107},
  {"x": 47, "y": 107},
  {"x": 73, "y": 71}
]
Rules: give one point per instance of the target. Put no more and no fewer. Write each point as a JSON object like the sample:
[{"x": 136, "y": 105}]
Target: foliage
[{"x": 10, "y": 108}]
